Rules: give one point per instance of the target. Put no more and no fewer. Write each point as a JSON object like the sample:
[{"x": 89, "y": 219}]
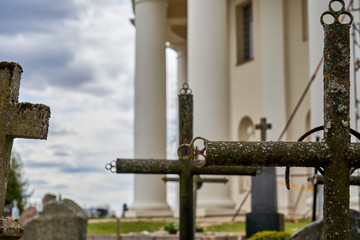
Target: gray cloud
[{"x": 17, "y": 16}]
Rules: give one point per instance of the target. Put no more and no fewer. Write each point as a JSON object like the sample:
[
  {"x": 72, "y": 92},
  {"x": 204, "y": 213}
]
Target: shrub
[
  {"x": 172, "y": 227},
  {"x": 270, "y": 235}
]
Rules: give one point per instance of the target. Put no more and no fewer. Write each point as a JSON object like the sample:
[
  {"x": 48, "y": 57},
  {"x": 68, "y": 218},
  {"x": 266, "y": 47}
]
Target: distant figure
[
  {"x": 125, "y": 208},
  {"x": 15, "y": 214}
]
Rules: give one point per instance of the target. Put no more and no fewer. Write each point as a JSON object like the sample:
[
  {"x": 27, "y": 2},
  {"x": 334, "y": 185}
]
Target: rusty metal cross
[
  {"x": 335, "y": 154},
  {"x": 183, "y": 168},
  {"x": 18, "y": 120}
]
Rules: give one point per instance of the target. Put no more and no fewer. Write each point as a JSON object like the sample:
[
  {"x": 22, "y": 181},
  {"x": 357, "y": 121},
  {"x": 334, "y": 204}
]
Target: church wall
[
  {"x": 245, "y": 94},
  {"x": 296, "y": 80}
]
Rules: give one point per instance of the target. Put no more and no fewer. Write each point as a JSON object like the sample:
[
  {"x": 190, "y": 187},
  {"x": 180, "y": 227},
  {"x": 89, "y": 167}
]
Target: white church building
[{"x": 243, "y": 60}]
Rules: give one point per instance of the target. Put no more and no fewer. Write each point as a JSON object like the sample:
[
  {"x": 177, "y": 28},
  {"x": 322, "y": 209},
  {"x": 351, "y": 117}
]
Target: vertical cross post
[
  {"x": 198, "y": 181},
  {"x": 264, "y": 215},
  {"x": 18, "y": 120},
  {"x": 184, "y": 168},
  {"x": 336, "y": 122}
]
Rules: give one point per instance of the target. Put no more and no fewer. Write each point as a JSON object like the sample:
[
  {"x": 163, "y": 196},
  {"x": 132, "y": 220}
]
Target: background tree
[{"x": 17, "y": 186}]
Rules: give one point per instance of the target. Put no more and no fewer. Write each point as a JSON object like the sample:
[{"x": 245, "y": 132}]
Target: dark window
[{"x": 244, "y": 28}]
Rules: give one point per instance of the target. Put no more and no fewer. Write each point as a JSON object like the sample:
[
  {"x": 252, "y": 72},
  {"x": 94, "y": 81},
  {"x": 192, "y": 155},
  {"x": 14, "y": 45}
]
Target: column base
[
  {"x": 263, "y": 221},
  {"x": 10, "y": 229},
  {"x": 213, "y": 212},
  {"x": 148, "y": 213}
]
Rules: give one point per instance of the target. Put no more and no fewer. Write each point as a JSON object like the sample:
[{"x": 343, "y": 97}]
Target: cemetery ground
[{"x": 107, "y": 226}]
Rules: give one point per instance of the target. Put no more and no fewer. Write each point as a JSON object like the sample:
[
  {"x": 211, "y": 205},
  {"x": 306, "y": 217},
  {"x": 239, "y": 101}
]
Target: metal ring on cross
[
  {"x": 111, "y": 166},
  {"x": 317, "y": 129},
  {"x": 192, "y": 153},
  {"x": 185, "y": 89},
  {"x": 336, "y": 14}
]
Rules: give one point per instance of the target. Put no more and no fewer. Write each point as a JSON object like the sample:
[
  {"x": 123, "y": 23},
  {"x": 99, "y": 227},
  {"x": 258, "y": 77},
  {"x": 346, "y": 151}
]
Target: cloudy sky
[{"x": 78, "y": 58}]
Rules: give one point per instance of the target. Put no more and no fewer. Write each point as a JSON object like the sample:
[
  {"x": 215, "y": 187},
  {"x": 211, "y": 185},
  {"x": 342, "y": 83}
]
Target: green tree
[{"x": 17, "y": 186}]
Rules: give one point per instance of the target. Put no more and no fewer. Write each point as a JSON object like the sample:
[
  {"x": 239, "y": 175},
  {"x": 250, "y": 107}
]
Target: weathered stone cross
[
  {"x": 17, "y": 120},
  {"x": 336, "y": 154},
  {"x": 184, "y": 168}
]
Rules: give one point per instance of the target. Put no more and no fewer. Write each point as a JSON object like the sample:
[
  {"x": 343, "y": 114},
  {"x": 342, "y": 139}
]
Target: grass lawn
[{"x": 109, "y": 228}]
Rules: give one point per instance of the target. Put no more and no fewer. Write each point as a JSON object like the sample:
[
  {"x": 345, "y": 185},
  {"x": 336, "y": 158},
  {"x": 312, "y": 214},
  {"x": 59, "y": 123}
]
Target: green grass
[
  {"x": 294, "y": 227},
  {"x": 109, "y": 228},
  {"x": 226, "y": 227}
]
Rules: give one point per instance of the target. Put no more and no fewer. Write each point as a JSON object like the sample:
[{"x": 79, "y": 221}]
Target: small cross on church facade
[
  {"x": 336, "y": 155},
  {"x": 18, "y": 120},
  {"x": 263, "y": 126}
]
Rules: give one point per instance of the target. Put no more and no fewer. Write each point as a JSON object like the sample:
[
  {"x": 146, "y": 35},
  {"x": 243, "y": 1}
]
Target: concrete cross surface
[
  {"x": 334, "y": 156},
  {"x": 17, "y": 120}
]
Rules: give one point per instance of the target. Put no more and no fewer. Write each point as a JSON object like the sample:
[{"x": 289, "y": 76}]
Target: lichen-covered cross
[
  {"x": 17, "y": 120},
  {"x": 335, "y": 154},
  {"x": 183, "y": 168}
]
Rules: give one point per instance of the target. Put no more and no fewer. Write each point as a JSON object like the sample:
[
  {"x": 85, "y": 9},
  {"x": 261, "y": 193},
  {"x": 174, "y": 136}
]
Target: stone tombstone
[
  {"x": 59, "y": 220},
  {"x": 28, "y": 214},
  {"x": 315, "y": 230},
  {"x": 48, "y": 198}
]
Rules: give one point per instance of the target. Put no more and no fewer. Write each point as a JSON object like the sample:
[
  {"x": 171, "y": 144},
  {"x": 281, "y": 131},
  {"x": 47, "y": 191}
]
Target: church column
[
  {"x": 182, "y": 63},
  {"x": 316, "y": 46},
  {"x": 208, "y": 77},
  {"x": 150, "y": 105}
]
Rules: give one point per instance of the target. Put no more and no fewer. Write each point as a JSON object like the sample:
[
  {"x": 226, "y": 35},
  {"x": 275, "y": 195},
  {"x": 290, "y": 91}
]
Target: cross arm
[
  {"x": 29, "y": 121},
  {"x": 148, "y": 166},
  {"x": 294, "y": 154},
  {"x": 353, "y": 155},
  {"x": 225, "y": 170},
  {"x": 319, "y": 179}
]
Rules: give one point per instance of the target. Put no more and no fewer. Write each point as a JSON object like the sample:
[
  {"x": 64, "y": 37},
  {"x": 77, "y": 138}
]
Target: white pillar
[
  {"x": 182, "y": 63},
  {"x": 150, "y": 105},
  {"x": 209, "y": 80},
  {"x": 316, "y": 47}
]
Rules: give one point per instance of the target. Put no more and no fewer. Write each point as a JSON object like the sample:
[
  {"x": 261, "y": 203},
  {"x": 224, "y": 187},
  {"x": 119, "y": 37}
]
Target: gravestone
[
  {"x": 28, "y": 214},
  {"x": 184, "y": 168},
  {"x": 18, "y": 120},
  {"x": 315, "y": 230},
  {"x": 264, "y": 215},
  {"x": 59, "y": 220},
  {"x": 333, "y": 157},
  {"x": 48, "y": 198}
]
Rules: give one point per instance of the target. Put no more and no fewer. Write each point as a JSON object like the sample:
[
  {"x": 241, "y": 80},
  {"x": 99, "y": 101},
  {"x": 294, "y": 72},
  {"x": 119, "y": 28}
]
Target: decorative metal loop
[
  {"x": 336, "y": 14},
  {"x": 191, "y": 152},
  {"x": 317, "y": 129},
  {"x": 111, "y": 166},
  {"x": 185, "y": 89}
]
